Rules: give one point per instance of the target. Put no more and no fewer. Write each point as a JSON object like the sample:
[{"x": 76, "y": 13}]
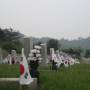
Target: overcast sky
[{"x": 53, "y": 18}]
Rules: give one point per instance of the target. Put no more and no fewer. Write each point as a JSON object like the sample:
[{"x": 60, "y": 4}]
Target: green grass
[
  {"x": 73, "y": 78},
  {"x": 76, "y": 77},
  {"x": 12, "y": 86},
  {"x": 9, "y": 71}
]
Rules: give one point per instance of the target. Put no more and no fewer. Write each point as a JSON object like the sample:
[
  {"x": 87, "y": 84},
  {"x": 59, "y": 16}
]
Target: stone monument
[
  {"x": 27, "y": 45},
  {"x": 44, "y": 53}
]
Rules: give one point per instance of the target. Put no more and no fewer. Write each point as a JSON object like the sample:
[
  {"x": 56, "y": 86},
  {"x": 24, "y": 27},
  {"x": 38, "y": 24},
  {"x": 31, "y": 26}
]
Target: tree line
[{"x": 73, "y": 51}]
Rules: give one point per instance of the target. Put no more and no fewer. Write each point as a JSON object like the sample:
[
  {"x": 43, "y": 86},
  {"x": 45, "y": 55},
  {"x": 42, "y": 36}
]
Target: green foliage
[
  {"x": 87, "y": 53},
  {"x": 53, "y": 43},
  {"x": 75, "y": 52},
  {"x": 38, "y": 43},
  {"x": 9, "y": 40},
  {"x": 14, "y": 45},
  {"x": 9, "y": 35}
]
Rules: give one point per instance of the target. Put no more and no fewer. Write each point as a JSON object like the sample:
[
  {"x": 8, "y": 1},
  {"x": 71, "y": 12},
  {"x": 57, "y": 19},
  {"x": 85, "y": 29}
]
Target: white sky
[{"x": 53, "y": 18}]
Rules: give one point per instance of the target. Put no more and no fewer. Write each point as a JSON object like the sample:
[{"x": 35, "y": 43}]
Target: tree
[
  {"x": 14, "y": 45},
  {"x": 74, "y": 52},
  {"x": 87, "y": 53},
  {"x": 9, "y": 39},
  {"x": 38, "y": 43},
  {"x": 53, "y": 43},
  {"x": 9, "y": 35}
]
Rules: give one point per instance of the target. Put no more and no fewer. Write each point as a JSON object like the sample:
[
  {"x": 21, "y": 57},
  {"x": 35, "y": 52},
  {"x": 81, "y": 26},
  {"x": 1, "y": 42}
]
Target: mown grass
[
  {"x": 12, "y": 86},
  {"x": 7, "y": 71},
  {"x": 76, "y": 77}
]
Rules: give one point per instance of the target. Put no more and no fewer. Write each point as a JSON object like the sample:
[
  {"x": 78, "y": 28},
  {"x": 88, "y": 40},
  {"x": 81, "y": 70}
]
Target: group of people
[
  {"x": 59, "y": 59},
  {"x": 12, "y": 58}
]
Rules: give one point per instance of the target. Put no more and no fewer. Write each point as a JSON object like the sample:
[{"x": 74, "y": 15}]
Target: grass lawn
[
  {"x": 76, "y": 77},
  {"x": 9, "y": 71}
]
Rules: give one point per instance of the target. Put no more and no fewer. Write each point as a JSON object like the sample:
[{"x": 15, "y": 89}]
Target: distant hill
[{"x": 81, "y": 42}]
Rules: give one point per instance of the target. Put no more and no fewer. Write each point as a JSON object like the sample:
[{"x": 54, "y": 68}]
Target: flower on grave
[
  {"x": 34, "y": 59},
  {"x": 35, "y": 54}
]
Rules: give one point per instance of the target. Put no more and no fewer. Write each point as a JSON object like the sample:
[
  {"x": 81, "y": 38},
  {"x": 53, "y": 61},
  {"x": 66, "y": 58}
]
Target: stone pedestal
[{"x": 32, "y": 86}]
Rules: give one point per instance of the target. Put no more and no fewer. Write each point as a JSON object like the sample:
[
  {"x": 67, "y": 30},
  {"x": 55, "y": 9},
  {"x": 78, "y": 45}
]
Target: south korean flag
[{"x": 25, "y": 77}]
